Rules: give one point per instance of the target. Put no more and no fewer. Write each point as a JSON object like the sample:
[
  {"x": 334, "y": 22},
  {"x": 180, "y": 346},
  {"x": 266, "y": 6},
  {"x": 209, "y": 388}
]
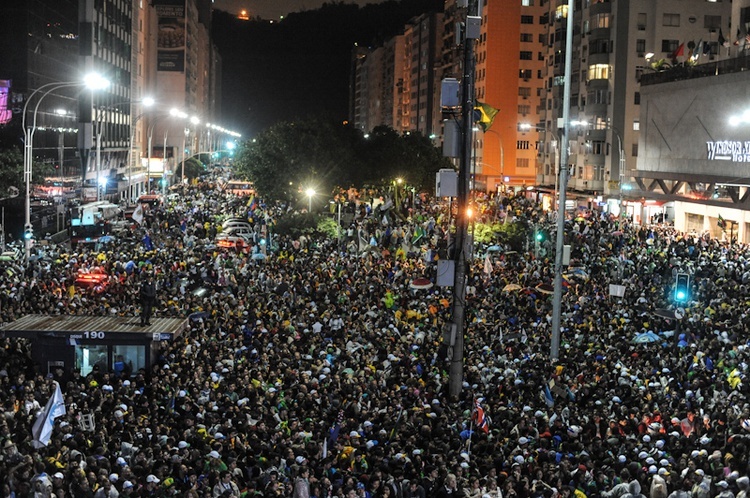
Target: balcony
[{"x": 734, "y": 65}]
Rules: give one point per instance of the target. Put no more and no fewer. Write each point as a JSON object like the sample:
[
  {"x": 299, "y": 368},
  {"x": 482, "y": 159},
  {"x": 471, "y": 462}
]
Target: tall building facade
[
  {"x": 105, "y": 47},
  {"x": 395, "y": 84},
  {"x": 509, "y": 77},
  {"x": 614, "y": 44},
  {"x": 41, "y": 40}
]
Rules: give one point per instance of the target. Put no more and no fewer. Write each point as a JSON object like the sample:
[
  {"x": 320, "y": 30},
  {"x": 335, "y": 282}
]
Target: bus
[
  {"x": 90, "y": 222},
  {"x": 60, "y": 187},
  {"x": 240, "y": 187}
]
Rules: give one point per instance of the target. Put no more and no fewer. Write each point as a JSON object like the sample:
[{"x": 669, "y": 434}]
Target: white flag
[
  {"x": 488, "y": 264},
  {"x": 138, "y": 214},
  {"x": 42, "y": 429}
]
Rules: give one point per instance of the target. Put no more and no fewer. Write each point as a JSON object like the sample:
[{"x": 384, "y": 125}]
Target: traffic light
[
  {"x": 57, "y": 166},
  {"x": 28, "y": 234},
  {"x": 682, "y": 288},
  {"x": 539, "y": 236}
]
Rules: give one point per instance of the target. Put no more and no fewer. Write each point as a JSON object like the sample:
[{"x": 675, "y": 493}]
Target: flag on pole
[
  {"x": 484, "y": 115},
  {"x": 488, "y": 265},
  {"x": 138, "y": 214},
  {"x": 548, "y": 396},
  {"x": 480, "y": 419},
  {"x": 42, "y": 429},
  {"x": 723, "y": 41},
  {"x": 679, "y": 51},
  {"x": 721, "y": 223},
  {"x": 333, "y": 434}
]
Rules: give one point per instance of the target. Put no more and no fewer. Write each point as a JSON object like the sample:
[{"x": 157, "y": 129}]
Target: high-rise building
[
  {"x": 105, "y": 47},
  {"x": 614, "y": 44},
  {"x": 509, "y": 77},
  {"x": 395, "y": 84},
  {"x": 41, "y": 40}
]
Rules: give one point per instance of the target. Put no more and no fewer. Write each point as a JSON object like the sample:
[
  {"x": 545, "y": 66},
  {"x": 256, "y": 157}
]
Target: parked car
[{"x": 231, "y": 241}]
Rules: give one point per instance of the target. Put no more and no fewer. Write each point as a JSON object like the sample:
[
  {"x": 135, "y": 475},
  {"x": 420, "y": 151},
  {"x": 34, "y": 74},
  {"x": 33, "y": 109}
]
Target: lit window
[
  {"x": 598, "y": 72},
  {"x": 636, "y": 125}
]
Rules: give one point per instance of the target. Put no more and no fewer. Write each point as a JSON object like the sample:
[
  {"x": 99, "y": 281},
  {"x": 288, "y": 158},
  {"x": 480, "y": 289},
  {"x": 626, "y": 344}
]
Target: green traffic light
[{"x": 539, "y": 236}]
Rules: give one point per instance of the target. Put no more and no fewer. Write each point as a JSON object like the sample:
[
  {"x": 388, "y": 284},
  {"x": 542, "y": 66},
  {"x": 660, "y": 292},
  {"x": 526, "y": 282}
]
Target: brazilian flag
[{"x": 484, "y": 115}]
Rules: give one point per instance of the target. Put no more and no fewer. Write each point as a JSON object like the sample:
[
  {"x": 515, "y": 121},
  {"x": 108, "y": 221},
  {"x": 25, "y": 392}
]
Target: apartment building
[
  {"x": 509, "y": 76},
  {"x": 42, "y": 41},
  {"x": 614, "y": 44}
]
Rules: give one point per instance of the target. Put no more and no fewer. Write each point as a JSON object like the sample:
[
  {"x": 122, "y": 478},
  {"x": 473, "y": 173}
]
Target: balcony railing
[{"x": 677, "y": 73}]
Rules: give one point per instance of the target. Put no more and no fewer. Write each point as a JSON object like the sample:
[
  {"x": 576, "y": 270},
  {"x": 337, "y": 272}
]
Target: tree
[
  {"x": 290, "y": 157},
  {"x": 193, "y": 169},
  {"x": 11, "y": 171}
]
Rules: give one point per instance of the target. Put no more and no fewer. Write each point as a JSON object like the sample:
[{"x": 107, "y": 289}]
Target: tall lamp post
[
  {"x": 560, "y": 237},
  {"x": 146, "y": 102},
  {"x": 620, "y": 152},
  {"x": 94, "y": 82},
  {"x": 556, "y": 165},
  {"x": 310, "y": 193},
  {"x": 502, "y": 153}
]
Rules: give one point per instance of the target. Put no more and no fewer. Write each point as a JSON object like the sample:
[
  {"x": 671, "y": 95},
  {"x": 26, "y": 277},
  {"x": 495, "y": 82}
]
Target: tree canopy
[{"x": 321, "y": 154}]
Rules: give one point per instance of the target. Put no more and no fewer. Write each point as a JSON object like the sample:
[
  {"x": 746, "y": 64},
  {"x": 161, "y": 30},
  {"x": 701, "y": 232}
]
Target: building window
[
  {"x": 527, "y": 3},
  {"x": 525, "y": 74},
  {"x": 527, "y": 37},
  {"x": 669, "y": 46},
  {"x": 598, "y": 72},
  {"x": 712, "y": 22},
  {"x": 636, "y": 125},
  {"x": 642, "y": 21},
  {"x": 526, "y": 56},
  {"x": 524, "y": 109},
  {"x": 637, "y": 98},
  {"x": 672, "y": 20},
  {"x": 600, "y": 21},
  {"x": 561, "y": 12},
  {"x": 634, "y": 150},
  {"x": 527, "y": 19},
  {"x": 524, "y": 91},
  {"x": 596, "y": 147},
  {"x": 640, "y": 46},
  {"x": 522, "y": 162},
  {"x": 522, "y": 145}
]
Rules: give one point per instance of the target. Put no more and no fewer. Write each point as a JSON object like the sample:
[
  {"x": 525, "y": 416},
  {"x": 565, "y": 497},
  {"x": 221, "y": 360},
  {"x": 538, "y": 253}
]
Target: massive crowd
[{"x": 320, "y": 371}]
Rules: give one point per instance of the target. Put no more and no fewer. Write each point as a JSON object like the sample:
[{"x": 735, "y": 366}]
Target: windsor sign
[{"x": 729, "y": 150}]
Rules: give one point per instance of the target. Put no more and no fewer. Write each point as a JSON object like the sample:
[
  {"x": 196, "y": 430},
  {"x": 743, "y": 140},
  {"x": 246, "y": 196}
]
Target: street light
[
  {"x": 556, "y": 164},
  {"x": 92, "y": 81},
  {"x": 310, "y": 193},
  {"x": 502, "y": 153},
  {"x": 620, "y": 152},
  {"x": 146, "y": 102}
]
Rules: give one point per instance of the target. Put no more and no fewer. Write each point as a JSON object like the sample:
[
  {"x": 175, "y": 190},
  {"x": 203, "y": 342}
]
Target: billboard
[{"x": 170, "y": 47}]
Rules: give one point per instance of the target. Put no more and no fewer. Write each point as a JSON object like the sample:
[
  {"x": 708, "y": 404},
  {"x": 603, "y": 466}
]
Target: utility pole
[
  {"x": 560, "y": 241},
  {"x": 471, "y": 31}
]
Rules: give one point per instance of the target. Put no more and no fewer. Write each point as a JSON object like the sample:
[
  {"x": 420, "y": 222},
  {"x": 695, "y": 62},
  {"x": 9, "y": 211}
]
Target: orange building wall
[{"x": 497, "y": 83}]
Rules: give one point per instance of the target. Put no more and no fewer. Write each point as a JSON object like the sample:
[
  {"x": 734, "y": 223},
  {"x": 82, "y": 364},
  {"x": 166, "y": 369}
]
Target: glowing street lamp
[
  {"x": 310, "y": 193},
  {"x": 92, "y": 81}
]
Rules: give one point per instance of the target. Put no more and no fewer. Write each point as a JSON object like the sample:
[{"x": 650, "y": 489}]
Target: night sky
[{"x": 299, "y": 67}]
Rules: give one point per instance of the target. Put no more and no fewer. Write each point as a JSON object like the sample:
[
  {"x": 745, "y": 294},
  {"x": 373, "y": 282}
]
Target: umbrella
[
  {"x": 258, "y": 255},
  {"x": 511, "y": 288},
  {"x": 617, "y": 233},
  {"x": 646, "y": 337},
  {"x": 577, "y": 273},
  {"x": 545, "y": 288},
  {"x": 420, "y": 283},
  {"x": 494, "y": 248}
]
